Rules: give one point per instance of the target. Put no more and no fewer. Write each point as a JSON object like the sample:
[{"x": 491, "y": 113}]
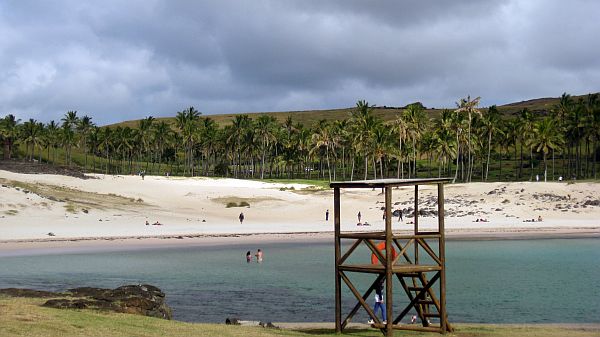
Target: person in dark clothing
[{"x": 379, "y": 303}]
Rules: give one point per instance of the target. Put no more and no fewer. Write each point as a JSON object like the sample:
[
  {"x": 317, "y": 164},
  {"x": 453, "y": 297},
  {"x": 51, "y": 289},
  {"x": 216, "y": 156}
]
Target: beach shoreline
[
  {"x": 48, "y": 212},
  {"x": 108, "y": 244}
]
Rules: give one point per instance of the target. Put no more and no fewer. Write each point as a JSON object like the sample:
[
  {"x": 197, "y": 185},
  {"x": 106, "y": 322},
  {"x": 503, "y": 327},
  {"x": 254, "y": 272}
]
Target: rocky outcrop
[
  {"x": 146, "y": 300},
  {"x": 17, "y": 292}
]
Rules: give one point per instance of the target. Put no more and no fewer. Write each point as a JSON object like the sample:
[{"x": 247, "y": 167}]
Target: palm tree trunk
[
  {"x": 352, "y": 169},
  {"x": 501, "y": 148},
  {"x": 457, "y": 156},
  {"x": 374, "y": 169},
  {"x": 262, "y": 165},
  {"x": 344, "y": 163},
  {"x": 414, "y": 158},
  {"x": 328, "y": 167},
  {"x": 487, "y": 167},
  {"x": 545, "y": 168},
  {"x": 531, "y": 161},
  {"x": 399, "y": 156},
  {"x": 469, "y": 145},
  {"x": 552, "y": 164},
  {"x": 521, "y": 160}
]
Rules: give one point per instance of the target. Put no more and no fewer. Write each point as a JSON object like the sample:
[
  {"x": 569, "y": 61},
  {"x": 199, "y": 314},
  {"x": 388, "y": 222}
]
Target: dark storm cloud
[{"x": 120, "y": 60}]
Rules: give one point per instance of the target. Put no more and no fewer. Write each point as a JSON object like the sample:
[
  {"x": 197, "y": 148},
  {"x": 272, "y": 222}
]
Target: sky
[{"x": 123, "y": 60}]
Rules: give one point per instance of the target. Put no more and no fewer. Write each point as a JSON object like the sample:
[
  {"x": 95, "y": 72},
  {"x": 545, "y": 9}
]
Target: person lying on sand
[
  {"x": 157, "y": 223},
  {"x": 481, "y": 220}
]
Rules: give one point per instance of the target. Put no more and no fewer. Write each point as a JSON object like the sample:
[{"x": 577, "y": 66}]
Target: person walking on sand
[
  {"x": 327, "y": 215},
  {"x": 379, "y": 305},
  {"x": 241, "y": 217},
  {"x": 248, "y": 257},
  {"x": 259, "y": 256},
  {"x": 400, "y": 215},
  {"x": 358, "y": 216}
]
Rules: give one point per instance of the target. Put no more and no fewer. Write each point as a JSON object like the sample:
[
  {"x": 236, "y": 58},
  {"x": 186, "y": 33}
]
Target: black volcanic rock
[{"x": 17, "y": 292}]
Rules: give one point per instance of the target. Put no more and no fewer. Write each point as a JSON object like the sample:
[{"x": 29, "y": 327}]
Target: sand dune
[{"x": 33, "y": 205}]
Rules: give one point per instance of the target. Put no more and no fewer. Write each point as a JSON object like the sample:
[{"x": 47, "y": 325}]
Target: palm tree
[
  {"x": 400, "y": 128},
  {"x": 30, "y": 135},
  {"x": 145, "y": 137},
  {"x": 490, "y": 123},
  {"x": 9, "y": 131},
  {"x": 303, "y": 145},
  {"x": 381, "y": 145},
  {"x": 545, "y": 138},
  {"x": 209, "y": 138},
  {"x": 53, "y": 135},
  {"x": 68, "y": 140},
  {"x": 84, "y": 126},
  {"x": 239, "y": 128},
  {"x": 187, "y": 122},
  {"x": 105, "y": 145},
  {"x": 526, "y": 121},
  {"x": 70, "y": 121},
  {"x": 322, "y": 138},
  {"x": 340, "y": 131},
  {"x": 162, "y": 132},
  {"x": 415, "y": 117},
  {"x": 444, "y": 145},
  {"x": 93, "y": 141},
  {"x": 265, "y": 133},
  {"x": 590, "y": 131},
  {"x": 468, "y": 106},
  {"x": 363, "y": 123},
  {"x": 457, "y": 121},
  {"x": 593, "y": 126}
]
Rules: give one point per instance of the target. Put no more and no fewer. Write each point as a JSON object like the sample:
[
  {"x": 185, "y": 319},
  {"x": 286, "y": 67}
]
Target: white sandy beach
[{"x": 115, "y": 208}]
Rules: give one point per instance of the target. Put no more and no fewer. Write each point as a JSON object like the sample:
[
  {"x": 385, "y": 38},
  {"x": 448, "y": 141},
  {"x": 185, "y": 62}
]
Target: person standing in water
[
  {"x": 248, "y": 257},
  {"x": 259, "y": 256}
]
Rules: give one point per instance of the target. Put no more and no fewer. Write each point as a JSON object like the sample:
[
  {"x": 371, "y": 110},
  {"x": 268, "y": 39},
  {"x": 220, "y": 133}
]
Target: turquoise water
[{"x": 508, "y": 281}]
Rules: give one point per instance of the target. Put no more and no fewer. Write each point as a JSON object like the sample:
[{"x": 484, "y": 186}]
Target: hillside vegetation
[
  {"x": 542, "y": 139},
  {"x": 307, "y": 117}
]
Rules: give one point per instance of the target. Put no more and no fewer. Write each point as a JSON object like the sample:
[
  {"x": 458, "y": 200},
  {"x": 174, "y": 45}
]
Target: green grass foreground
[{"x": 25, "y": 317}]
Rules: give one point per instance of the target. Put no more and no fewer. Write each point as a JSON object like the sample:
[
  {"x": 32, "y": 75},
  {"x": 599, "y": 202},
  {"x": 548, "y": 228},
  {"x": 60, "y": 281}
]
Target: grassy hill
[
  {"x": 25, "y": 317},
  {"x": 308, "y": 117}
]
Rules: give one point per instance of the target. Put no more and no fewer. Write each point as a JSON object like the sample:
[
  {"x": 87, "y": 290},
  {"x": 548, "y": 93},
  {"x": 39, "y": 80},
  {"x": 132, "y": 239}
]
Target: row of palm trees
[{"x": 465, "y": 143}]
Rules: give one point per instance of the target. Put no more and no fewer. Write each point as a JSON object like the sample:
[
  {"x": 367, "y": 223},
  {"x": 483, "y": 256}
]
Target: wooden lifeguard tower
[{"x": 413, "y": 261}]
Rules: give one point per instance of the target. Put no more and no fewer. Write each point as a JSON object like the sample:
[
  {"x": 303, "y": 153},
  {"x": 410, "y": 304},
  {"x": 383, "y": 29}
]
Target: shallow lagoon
[{"x": 505, "y": 281}]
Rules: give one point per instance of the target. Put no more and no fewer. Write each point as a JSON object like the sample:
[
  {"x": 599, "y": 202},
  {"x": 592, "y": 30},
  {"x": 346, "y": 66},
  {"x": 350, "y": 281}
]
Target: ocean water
[{"x": 506, "y": 281}]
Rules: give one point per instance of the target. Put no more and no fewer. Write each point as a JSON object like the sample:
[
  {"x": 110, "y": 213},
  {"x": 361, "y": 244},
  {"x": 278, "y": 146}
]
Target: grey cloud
[{"x": 121, "y": 60}]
